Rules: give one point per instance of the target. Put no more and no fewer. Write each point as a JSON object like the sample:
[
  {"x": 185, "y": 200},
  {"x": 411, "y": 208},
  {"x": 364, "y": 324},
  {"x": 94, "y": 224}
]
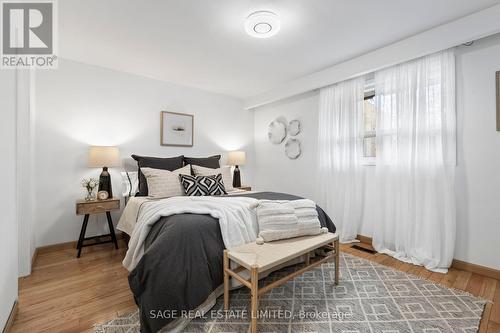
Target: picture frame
[
  {"x": 498, "y": 99},
  {"x": 176, "y": 129}
]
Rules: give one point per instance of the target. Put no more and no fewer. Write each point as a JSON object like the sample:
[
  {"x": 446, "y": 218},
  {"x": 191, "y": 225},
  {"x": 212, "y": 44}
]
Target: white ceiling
[{"x": 202, "y": 43}]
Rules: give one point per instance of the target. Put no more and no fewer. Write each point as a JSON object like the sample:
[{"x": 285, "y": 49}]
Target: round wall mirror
[
  {"x": 277, "y": 131},
  {"x": 294, "y": 127},
  {"x": 292, "y": 148}
]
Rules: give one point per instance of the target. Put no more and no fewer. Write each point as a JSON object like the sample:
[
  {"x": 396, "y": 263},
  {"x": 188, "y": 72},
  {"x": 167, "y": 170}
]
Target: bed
[{"x": 180, "y": 270}]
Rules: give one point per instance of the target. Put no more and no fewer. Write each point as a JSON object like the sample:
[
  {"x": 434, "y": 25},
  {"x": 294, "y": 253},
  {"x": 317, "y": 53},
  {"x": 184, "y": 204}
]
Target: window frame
[{"x": 368, "y": 160}]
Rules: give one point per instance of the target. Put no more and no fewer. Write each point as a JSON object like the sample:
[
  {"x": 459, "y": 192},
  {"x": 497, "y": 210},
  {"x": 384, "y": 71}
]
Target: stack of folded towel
[{"x": 280, "y": 219}]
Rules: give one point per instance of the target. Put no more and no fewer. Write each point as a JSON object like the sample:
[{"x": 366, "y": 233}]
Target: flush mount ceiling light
[{"x": 262, "y": 24}]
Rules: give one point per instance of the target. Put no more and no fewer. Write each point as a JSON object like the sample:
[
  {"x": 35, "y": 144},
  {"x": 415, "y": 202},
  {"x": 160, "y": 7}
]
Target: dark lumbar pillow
[
  {"x": 169, "y": 163},
  {"x": 207, "y": 162},
  {"x": 202, "y": 185}
]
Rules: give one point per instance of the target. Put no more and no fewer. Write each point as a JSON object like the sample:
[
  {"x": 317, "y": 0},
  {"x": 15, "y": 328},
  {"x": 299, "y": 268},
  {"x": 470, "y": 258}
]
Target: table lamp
[
  {"x": 104, "y": 157},
  {"x": 236, "y": 158}
]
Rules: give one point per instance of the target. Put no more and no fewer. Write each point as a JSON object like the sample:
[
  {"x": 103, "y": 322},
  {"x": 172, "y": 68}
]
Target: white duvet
[{"x": 237, "y": 220}]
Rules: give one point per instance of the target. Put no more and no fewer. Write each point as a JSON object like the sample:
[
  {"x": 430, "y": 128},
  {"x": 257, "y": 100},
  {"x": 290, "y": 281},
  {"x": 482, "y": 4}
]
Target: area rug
[{"x": 370, "y": 298}]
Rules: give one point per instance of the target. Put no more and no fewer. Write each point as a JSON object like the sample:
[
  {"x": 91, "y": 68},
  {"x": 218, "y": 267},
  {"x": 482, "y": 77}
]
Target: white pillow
[
  {"x": 225, "y": 171},
  {"x": 130, "y": 183},
  {"x": 277, "y": 220},
  {"x": 164, "y": 183}
]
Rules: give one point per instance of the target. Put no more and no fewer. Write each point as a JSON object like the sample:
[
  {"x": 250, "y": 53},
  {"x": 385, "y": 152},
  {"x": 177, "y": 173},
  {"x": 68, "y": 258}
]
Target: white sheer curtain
[
  {"x": 340, "y": 177},
  {"x": 415, "y": 163}
]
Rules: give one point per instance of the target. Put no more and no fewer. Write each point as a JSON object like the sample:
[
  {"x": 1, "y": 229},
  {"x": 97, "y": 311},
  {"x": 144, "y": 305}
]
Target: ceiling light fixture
[{"x": 262, "y": 24}]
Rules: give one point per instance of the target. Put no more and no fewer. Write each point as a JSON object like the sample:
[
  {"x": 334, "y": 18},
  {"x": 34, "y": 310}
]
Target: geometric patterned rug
[{"x": 370, "y": 298}]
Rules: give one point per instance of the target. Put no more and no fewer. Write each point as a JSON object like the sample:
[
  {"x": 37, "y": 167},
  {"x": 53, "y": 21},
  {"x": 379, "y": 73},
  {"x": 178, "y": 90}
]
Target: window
[{"x": 369, "y": 128}]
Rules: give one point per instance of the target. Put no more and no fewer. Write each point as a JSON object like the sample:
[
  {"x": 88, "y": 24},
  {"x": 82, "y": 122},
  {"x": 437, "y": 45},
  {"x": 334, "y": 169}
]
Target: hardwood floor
[{"x": 66, "y": 294}]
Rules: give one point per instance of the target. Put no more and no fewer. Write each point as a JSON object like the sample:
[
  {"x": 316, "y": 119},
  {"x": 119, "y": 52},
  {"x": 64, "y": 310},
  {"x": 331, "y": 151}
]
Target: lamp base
[
  {"x": 105, "y": 182},
  {"x": 236, "y": 177}
]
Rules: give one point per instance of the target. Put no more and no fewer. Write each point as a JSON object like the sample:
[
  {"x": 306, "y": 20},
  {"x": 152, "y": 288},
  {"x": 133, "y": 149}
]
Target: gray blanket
[{"x": 182, "y": 264}]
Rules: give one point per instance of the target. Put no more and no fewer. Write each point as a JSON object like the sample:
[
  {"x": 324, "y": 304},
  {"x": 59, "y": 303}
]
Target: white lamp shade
[
  {"x": 103, "y": 157},
  {"x": 236, "y": 158}
]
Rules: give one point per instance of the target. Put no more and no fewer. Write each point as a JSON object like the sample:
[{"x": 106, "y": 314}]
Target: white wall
[
  {"x": 274, "y": 171},
  {"x": 478, "y": 178},
  {"x": 478, "y": 146},
  {"x": 8, "y": 235},
  {"x": 79, "y": 105},
  {"x": 25, "y": 169}
]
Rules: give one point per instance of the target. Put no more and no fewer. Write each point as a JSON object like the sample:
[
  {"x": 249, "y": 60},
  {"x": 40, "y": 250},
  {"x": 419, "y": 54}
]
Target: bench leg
[
  {"x": 226, "y": 281},
  {"x": 336, "y": 246},
  {"x": 308, "y": 259},
  {"x": 255, "y": 298}
]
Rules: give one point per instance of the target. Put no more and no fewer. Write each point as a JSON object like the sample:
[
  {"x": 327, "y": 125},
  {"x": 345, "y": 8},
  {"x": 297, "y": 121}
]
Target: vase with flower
[{"x": 90, "y": 185}]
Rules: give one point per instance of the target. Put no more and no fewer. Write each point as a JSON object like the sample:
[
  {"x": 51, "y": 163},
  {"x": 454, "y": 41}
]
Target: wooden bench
[{"x": 260, "y": 258}]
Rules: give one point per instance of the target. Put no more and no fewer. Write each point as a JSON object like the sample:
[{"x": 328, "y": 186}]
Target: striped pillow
[
  {"x": 130, "y": 183},
  {"x": 280, "y": 219}
]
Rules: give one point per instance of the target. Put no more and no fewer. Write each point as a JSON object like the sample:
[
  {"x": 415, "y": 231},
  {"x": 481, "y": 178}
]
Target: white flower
[{"x": 90, "y": 183}]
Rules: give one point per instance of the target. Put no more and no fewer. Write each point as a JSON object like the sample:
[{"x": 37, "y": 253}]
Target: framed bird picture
[{"x": 177, "y": 129}]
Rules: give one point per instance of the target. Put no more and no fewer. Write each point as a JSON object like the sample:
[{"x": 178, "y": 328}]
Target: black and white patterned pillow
[{"x": 203, "y": 185}]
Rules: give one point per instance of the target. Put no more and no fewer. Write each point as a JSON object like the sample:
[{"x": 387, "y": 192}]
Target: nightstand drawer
[{"x": 98, "y": 206}]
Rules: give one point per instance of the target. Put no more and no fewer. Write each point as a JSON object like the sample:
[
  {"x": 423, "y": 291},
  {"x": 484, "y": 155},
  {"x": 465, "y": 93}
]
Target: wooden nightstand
[
  {"x": 244, "y": 188},
  {"x": 96, "y": 207}
]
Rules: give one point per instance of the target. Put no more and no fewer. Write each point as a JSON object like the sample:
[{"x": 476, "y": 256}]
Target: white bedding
[
  {"x": 130, "y": 214},
  {"x": 237, "y": 219}
]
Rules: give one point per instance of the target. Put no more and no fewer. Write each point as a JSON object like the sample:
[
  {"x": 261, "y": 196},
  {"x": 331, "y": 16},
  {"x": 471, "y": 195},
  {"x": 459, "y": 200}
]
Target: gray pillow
[
  {"x": 168, "y": 163},
  {"x": 207, "y": 162}
]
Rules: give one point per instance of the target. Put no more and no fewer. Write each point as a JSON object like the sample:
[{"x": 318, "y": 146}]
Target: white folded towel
[{"x": 281, "y": 219}]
